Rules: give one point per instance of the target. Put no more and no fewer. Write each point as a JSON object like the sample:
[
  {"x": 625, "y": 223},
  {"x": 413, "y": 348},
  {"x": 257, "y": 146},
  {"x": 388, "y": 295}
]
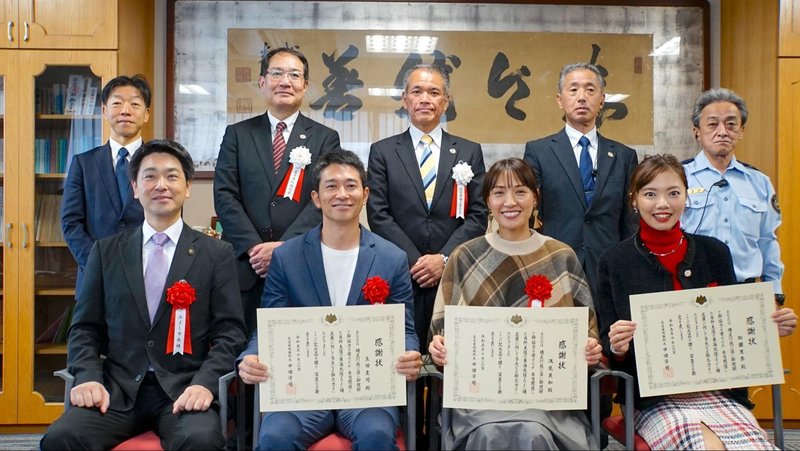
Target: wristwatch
[
  {"x": 445, "y": 258},
  {"x": 780, "y": 299}
]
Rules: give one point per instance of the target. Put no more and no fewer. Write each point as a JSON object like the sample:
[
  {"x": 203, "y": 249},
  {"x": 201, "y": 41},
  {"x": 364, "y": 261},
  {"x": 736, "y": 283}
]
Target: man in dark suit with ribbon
[
  {"x": 97, "y": 200},
  {"x": 425, "y": 189},
  {"x": 261, "y": 192},
  {"x": 157, "y": 322}
]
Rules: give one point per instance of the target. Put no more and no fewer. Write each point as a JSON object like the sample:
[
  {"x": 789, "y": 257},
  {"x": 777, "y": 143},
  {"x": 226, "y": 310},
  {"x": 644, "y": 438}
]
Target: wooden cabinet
[
  {"x": 59, "y": 24},
  {"x": 789, "y": 231},
  {"x": 55, "y": 100},
  {"x": 789, "y": 41}
]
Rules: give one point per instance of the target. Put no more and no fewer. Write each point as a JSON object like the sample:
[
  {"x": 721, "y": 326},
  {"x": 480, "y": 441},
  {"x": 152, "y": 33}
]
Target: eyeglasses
[{"x": 277, "y": 75}]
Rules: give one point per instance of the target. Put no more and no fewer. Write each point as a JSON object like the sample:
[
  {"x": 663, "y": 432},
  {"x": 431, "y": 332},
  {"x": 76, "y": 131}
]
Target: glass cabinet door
[{"x": 67, "y": 120}]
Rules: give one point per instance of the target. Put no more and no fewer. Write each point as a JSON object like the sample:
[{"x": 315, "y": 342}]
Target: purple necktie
[{"x": 155, "y": 276}]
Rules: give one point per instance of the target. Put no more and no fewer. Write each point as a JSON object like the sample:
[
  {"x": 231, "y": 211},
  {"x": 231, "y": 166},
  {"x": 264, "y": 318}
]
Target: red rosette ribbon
[
  {"x": 539, "y": 289},
  {"x": 181, "y": 295},
  {"x": 292, "y": 182},
  {"x": 376, "y": 290}
]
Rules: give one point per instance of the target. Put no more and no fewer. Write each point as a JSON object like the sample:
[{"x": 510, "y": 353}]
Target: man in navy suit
[
  {"x": 135, "y": 367},
  {"x": 328, "y": 266},
  {"x": 256, "y": 216},
  {"x": 594, "y": 219},
  {"x": 583, "y": 178},
  {"x": 98, "y": 201}
]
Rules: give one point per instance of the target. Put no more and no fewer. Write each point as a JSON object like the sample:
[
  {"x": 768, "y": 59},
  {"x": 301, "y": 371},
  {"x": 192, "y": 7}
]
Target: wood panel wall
[{"x": 749, "y": 63}]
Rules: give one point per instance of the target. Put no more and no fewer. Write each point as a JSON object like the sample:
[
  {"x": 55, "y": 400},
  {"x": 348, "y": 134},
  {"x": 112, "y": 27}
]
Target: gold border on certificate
[
  {"x": 323, "y": 358},
  {"x": 507, "y": 358},
  {"x": 706, "y": 339}
]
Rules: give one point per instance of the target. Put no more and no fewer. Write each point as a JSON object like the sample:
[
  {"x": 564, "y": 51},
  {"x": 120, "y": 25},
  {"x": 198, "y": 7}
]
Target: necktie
[
  {"x": 427, "y": 169},
  {"x": 278, "y": 146},
  {"x": 586, "y": 170},
  {"x": 121, "y": 172},
  {"x": 155, "y": 276}
]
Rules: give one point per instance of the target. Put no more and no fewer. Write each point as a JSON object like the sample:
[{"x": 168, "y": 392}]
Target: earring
[
  {"x": 636, "y": 209},
  {"x": 489, "y": 223}
]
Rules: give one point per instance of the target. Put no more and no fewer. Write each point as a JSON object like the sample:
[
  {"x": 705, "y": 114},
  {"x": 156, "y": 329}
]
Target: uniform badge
[
  {"x": 774, "y": 202},
  {"x": 699, "y": 189}
]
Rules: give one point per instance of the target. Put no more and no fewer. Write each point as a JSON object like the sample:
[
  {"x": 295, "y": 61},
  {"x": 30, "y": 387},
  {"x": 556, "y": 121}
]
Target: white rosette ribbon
[
  {"x": 462, "y": 174},
  {"x": 299, "y": 158}
]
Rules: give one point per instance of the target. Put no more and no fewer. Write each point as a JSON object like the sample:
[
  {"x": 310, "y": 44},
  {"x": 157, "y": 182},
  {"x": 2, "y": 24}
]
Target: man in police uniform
[{"x": 728, "y": 199}]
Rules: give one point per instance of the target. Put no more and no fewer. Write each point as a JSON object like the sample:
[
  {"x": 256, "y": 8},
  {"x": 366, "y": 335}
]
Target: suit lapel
[
  {"x": 447, "y": 160},
  {"x": 606, "y": 156},
  {"x": 407, "y": 156},
  {"x": 131, "y": 251},
  {"x": 366, "y": 256},
  {"x": 185, "y": 253},
  {"x": 261, "y": 135},
  {"x": 105, "y": 167},
  {"x": 562, "y": 150},
  {"x": 312, "y": 251}
]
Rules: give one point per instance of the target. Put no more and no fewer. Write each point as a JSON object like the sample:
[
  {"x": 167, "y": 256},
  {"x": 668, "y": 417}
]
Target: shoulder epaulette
[
  {"x": 749, "y": 166},
  {"x": 685, "y": 162}
]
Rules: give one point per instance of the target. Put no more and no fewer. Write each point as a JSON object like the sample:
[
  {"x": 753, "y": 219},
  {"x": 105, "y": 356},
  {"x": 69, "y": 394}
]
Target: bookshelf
[{"x": 55, "y": 98}]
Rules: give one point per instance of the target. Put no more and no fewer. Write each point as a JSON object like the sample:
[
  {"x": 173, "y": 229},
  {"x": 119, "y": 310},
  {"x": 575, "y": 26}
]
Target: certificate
[
  {"x": 323, "y": 358},
  {"x": 706, "y": 339},
  {"x": 508, "y": 358}
]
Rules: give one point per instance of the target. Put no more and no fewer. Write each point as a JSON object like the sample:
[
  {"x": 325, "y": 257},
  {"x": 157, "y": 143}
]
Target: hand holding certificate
[
  {"x": 323, "y": 358},
  {"x": 706, "y": 339},
  {"x": 503, "y": 358}
]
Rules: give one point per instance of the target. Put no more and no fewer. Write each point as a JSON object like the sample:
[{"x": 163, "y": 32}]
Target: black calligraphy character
[
  {"x": 440, "y": 60},
  {"x": 497, "y": 86},
  {"x": 618, "y": 110},
  {"x": 338, "y": 103}
]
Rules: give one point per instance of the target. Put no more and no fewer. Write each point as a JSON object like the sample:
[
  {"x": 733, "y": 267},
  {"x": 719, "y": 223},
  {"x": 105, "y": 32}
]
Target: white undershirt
[{"x": 340, "y": 265}]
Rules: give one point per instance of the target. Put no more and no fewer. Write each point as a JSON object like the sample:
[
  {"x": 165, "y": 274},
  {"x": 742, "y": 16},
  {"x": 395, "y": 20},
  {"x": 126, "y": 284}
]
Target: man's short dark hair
[
  {"x": 338, "y": 156},
  {"x": 569, "y": 68},
  {"x": 162, "y": 146},
  {"x": 265, "y": 59},
  {"x": 431, "y": 68},
  {"x": 137, "y": 81}
]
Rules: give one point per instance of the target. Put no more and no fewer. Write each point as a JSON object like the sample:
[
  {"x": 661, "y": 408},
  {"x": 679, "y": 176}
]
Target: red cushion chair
[
  {"x": 147, "y": 441},
  {"x": 336, "y": 441}
]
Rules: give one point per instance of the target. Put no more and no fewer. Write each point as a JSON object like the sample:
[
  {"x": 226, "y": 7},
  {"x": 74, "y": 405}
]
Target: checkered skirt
[{"x": 674, "y": 423}]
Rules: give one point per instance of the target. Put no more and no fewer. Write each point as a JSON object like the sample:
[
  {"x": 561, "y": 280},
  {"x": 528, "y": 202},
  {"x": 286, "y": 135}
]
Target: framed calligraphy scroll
[
  {"x": 503, "y": 61},
  {"x": 323, "y": 358},
  {"x": 706, "y": 339},
  {"x": 505, "y": 358}
]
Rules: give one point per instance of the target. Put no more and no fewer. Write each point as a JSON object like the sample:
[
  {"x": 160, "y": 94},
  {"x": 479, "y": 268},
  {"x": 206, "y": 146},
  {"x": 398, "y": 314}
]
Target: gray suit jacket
[
  {"x": 245, "y": 184},
  {"x": 111, "y": 318},
  {"x": 562, "y": 208},
  {"x": 396, "y": 207}
]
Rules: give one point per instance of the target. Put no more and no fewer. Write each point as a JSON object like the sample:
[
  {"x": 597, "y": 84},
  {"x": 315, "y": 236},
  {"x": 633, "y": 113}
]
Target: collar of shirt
[
  {"x": 575, "y": 135},
  {"x": 701, "y": 163},
  {"x": 131, "y": 147},
  {"x": 289, "y": 121},
  {"x": 435, "y": 134},
  {"x": 173, "y": 232}
]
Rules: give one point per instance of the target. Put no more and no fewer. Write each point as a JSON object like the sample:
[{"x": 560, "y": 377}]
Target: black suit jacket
[
  {"x": 396, "y": 207},
  {"x": 562, "y": 208},
  {"x": 90, "y": 207},
  {"x": 111, "y": 318},
  {"x": 245, "y": 184}
]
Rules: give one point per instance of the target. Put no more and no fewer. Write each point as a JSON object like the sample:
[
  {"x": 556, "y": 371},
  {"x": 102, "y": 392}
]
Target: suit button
[
  {"x": 122, "y": 223},
  {"x": 274, "y": 203},
  {"x": 429, "y": 220},
  {"x": 150, "y": 343},
  {"x": 587, "y": 220},
  {"x": 138, "y": 378}
]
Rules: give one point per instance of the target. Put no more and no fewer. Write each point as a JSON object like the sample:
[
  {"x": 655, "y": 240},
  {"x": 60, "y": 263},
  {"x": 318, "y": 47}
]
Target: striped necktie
[
  {"x": 427, "y": 168},
  {"x": 278, "y": 146}
]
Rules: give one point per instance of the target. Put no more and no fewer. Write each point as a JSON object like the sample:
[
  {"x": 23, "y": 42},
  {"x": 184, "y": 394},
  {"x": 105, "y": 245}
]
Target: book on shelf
[
  {"x": 89, "y": 98},
  {"x": 57, "y": 331},
  {"x": 73, "y": 102},
  {"x": 47, "y": 221}
]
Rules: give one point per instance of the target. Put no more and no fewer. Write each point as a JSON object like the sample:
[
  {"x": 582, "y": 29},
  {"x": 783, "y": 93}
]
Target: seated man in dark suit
[
  {"x": 142, "y": 291},
  {"x": 338, "y": 249},
  {"x": 98, "y": 201}
]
